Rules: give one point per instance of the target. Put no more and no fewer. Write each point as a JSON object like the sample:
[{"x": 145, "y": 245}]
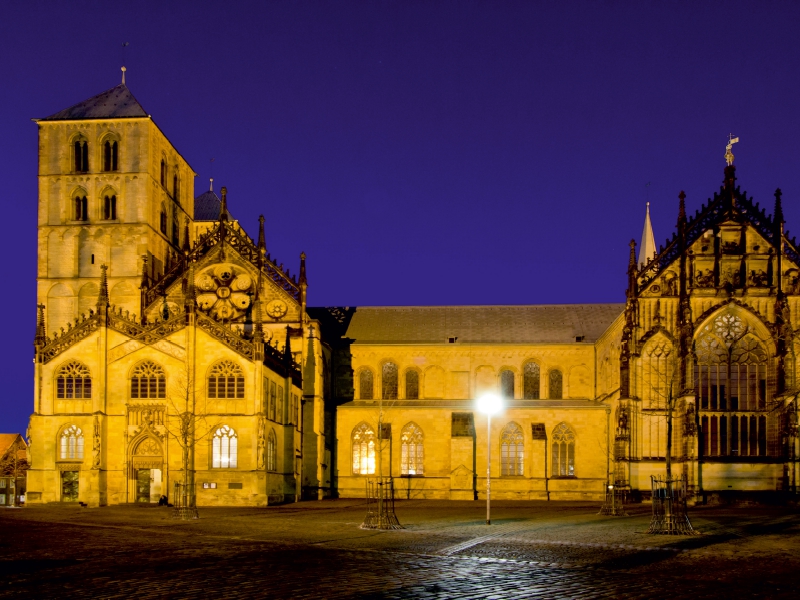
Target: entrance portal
[
  {"x": 148, "y": 485},
  {"x": 69, "y": 486}
]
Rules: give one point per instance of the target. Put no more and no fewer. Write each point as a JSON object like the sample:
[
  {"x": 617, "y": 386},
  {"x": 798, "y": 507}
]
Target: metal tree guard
[
  {"x": 184, "y": 507},
  {"x": 380, "y": 505},
  {"x": 669, "y": 507},
  {"x": 614, "y": 504}
]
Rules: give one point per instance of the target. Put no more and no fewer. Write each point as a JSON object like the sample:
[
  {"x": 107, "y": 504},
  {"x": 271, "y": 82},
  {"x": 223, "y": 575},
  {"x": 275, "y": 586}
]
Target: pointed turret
[
  {"x": 287, "y": 348},
  {"x": 223, "y": 207},
  {"x": 632, "y": 270},
  {"x": 262, "y": 241},
  {"x": 102, "y": 296},
  {"x": 647, "y": 249},
  {"x": 41, "y": 332}
]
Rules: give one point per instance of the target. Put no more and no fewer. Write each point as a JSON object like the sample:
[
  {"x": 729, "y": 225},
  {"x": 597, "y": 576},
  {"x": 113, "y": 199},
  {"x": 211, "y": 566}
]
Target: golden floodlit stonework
[{"x": 172, "y": 350}]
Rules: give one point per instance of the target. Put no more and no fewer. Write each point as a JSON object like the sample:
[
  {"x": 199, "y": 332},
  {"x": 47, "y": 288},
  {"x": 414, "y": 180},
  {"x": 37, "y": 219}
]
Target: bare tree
[{"x": 187, "y": 422}]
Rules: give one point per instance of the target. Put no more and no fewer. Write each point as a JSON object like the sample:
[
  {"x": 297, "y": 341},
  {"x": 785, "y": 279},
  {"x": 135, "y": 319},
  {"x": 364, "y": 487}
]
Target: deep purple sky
[{"x": 419, "y": 152}]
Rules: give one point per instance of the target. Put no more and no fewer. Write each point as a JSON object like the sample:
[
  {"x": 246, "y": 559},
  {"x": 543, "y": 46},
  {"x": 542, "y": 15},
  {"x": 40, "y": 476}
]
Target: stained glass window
[
  {"x": 389, "y": 381},
  {"x": 148, "y": 381},
  {"x": 412, "y": 384},
  {"x": 507, "y": 384},
  {"x": 365, "y": 384},
  {"x": 512, "y": 450},
  {"x": 363, "y": 450},
  {"x": 563, "y": 451},
  {"x": 71, "y": 443},
  {"x": 556, "y": 384},
  {"x": 531, "y": 381},
  {"x": 74, "y": 381},
  {"x": 411, "y": 449},
  {"x": 226, "y": 380},
  {"x": 224, "y": 448}
]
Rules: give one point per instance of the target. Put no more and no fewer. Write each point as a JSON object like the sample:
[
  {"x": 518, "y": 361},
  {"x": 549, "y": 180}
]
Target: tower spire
[
  {"x": 41, "y": 332},
  {"x": 102, "y": 297},
  {"x": 647, "y": 249},
  {"x": 262, "y": 243}
]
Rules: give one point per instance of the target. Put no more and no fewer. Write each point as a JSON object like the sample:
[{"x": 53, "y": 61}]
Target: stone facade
[{"x": 160, "y": 329}]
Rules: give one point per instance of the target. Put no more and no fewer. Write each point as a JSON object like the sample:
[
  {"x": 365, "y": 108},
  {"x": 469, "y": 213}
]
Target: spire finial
[
  {"x": 41, "y": 334},
  {"x": 302, "y": 279},
  {"x": 632, "y": 259},
  {"x": 210, "y": 184},
  {"x": 102, "y": 297},
  {"x": 728, "y": 154},
  {"x": 262, "y": 243},
  {"x": 778, "y": 207},
  {"x": 223, "y": 207},
  {"x": 123, "y": 74}
]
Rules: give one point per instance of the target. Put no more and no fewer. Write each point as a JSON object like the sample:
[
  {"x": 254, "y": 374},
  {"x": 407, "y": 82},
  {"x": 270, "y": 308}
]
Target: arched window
[
  {"x": 530, "y": 381},
  {"x": 163, "y": 173},
  {"x": 563, "y": 451},
  {"x": 71, "y": 443},
  {"x": 74, "y": 381},
  {"x": 365, "y": 384},
  {"x": 732, "y": 389},
  {"x": 507, "y": 384},
  {"x": 363, "y": 450},
  {"x": 110, "y": 207},
  {"x": 656, "y": 384},
  {"x": 272, "y": 451},
  {"x": 162, "y": 220},
  {"x": 556, "y": 386},
  {"x": 148, "y": 381},
  {"x": 175, "y": 184},
  {"x": 412, "y": 384},
  {"x": 226, "y": 380},
  {"x": 411, "y": 450},
  {"x": 389, "y": 381},
  {"x": 224, "y": 448},
  {"x": 80, "y": 154},
  {"x": 80, "y": 208},
  {"x": 110, "y": 149},
  {"x": 512, "y": 450}
]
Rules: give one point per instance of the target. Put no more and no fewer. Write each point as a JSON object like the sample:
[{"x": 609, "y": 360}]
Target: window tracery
[
  {"x": 732, "y": 388},
  {"x": 74, "y": 381},
  {"x": 224, "y": 448},
  {"x": 512, "y": 450},
  {"x": 71, "y": 443},
  {"x": 363, "y": 450},
  {"x": 563, "y": 451},
  {"x": 531, "y": 381},
  {"x": 148, "y": 381},
  {"x": 226, "y": 380},
  {"x": 412, "y": 450}
]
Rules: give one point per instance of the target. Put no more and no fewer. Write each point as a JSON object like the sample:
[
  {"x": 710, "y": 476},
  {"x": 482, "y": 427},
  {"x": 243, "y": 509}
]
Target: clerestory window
[{"x": 74, "y": 381}]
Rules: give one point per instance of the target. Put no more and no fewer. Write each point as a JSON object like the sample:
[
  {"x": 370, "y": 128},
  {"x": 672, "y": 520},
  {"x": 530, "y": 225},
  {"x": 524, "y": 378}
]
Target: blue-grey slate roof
[
  {"x": 116, "y": 103},
  {"x": 542, "y": 324},
  {"x": 206, "y": 207}
]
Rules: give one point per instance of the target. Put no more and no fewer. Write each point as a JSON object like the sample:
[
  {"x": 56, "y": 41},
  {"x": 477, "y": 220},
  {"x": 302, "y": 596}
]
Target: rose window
[{"x": 224, "y": 292}]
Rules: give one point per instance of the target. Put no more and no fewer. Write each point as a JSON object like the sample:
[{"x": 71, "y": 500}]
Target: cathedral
[{"x": 174, "y": 353}]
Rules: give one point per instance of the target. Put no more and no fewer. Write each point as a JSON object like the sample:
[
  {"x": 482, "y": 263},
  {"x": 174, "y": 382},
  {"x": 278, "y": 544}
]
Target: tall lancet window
[
  {"x": 512, "y": 450},
  {"x": 389, "y": 381},
  {"x": 411, "y": 449},
  {"x": 365, "y": 384},
  {"x": 363, "y": 450},
  {"x": 563, "y": 450},
  {"x": 732, "y": 389},
  {"x": 412, "y": 384},
  {"x": 80, "y": 153},
  {"x": 531, "y": 381},
  {"x": 556, "y": 384},
  {"x": 507, "y": 384}
]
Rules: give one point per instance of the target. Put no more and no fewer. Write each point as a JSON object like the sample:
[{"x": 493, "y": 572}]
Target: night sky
[{"x": 418, "y": 152}]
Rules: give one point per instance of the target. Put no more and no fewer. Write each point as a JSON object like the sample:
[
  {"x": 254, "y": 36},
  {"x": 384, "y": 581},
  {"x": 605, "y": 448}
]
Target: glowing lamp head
[{"x": 490, "y": 404}]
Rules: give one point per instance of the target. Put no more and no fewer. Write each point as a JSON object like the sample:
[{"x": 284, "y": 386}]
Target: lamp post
[{"x": 489, "y": 404}]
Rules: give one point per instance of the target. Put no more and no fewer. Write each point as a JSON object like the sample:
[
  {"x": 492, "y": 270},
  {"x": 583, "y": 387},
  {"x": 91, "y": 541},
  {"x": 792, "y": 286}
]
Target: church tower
[{"x": 113, "y": 190}]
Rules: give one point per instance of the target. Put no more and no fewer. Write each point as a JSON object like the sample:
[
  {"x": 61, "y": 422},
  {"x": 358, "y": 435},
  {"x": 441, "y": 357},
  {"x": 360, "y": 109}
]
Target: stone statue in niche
[
  {"x": 758, "y": 279},
  {"x": 96, "y": 444},
  {"x": 670, "y": 284},
  {"x": 689, "y": 426},
  {"x": 704, "y": 279},
  {"x": 261, "y": 441}
]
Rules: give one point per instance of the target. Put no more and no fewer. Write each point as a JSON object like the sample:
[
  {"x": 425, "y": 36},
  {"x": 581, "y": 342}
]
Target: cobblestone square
[{"x": 316, "y": 550}]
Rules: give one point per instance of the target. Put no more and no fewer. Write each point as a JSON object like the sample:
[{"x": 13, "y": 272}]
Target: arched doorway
[{"x": 147, "y": 462}]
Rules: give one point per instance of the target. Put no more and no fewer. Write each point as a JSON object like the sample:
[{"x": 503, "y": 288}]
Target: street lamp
[{"x": 489, "y": 404}]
